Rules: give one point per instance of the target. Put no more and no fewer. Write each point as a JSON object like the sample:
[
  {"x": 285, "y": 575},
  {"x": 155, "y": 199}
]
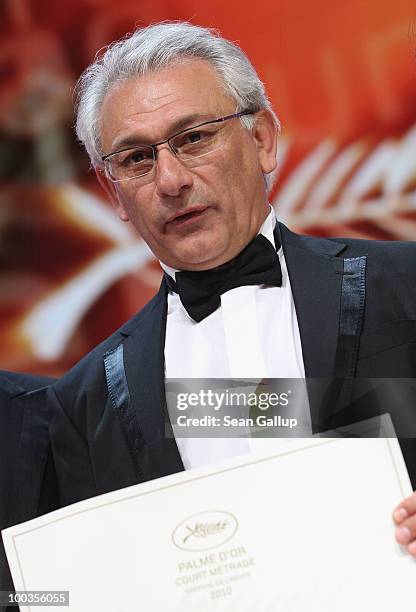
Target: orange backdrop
[{"x": 342, "y": 78}]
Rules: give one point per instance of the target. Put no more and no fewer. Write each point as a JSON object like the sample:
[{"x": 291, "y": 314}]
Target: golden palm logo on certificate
[{"x": 205, "y": 530}]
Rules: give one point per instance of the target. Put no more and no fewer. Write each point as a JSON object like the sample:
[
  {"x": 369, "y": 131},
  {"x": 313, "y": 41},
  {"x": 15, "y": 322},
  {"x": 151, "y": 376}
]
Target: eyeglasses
[{"x": 189, "y": 146}]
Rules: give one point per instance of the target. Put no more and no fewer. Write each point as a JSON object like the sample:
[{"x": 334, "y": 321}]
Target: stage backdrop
[{"x": 342, "y": 78}]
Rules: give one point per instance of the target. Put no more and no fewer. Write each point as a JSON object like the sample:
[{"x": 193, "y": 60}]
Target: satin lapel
[
  {"x": 316, "y": 279},
  {"x": 144, "y": 367}
]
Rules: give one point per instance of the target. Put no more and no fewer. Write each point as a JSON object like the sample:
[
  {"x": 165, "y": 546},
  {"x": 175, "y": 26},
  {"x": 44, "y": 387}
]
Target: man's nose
[{"x": 172, "y": 177}]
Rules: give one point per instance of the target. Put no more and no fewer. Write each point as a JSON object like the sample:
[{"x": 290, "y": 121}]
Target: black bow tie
[{"x": 200, "y": 292}]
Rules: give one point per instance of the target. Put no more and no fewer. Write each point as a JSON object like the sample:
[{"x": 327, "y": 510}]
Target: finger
[
  {"x": 405, "y": 509},
  {"x": 406, "y": 533}
]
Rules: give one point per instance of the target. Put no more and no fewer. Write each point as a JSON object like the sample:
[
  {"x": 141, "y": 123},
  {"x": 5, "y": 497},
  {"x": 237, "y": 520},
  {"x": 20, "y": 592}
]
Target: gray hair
[{"x": 154, "y": 48}]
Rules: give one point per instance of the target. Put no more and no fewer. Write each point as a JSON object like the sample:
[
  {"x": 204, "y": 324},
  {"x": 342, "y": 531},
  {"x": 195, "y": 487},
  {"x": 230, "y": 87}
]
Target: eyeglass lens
[{"x": 189, "y": 146}]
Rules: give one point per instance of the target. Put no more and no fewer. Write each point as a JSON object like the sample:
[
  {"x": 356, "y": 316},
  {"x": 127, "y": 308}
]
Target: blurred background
[{"x": 341, "y": 76}]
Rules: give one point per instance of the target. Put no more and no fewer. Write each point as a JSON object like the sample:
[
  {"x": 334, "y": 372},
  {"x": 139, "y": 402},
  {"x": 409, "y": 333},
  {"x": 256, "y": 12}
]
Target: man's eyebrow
[
  {"x": 177, "y": 126},
  {"x": 189, "y": 121}
]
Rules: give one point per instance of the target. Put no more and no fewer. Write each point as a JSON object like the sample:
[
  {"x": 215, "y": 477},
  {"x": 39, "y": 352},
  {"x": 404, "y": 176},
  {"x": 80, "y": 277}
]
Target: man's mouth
[{"x": 187, "y": 216}]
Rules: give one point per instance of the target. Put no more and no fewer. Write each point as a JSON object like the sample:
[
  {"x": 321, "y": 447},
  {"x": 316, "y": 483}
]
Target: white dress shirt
[{"x": 254, "y": 334}]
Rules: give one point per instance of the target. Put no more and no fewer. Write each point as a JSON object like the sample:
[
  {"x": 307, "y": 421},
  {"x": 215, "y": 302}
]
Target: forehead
[{"x": 147, "y": 106}]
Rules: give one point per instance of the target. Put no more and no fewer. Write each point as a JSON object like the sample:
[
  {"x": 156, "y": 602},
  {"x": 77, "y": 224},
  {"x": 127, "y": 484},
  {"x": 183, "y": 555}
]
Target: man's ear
[
  {"x": 265, "y": 133},
  {"x": 111, "y": 190}
]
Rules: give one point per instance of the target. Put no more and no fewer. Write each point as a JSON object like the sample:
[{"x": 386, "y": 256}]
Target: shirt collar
[{"x": 266, "y": 230}]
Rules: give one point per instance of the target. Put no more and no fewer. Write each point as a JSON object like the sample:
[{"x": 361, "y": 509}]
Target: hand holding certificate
[
  {"x": 405, "y": 518},
  {"x": 307, "y": 530}
]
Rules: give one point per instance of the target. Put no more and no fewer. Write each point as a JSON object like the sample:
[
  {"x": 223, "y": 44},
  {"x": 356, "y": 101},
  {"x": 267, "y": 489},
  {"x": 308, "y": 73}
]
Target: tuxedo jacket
[
  {"x": 28, "y": 485},
  {"x": 356, "y": 307}
]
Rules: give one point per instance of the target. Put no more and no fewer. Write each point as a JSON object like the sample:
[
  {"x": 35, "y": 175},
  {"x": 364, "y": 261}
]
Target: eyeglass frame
[{"x": 154, "y": 146}]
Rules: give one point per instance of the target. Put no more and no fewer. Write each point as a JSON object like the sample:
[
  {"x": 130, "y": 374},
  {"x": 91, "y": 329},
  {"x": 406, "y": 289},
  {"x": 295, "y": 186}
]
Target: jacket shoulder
[
  {"x": 86, "y": 371},
  {"x": 392, "y": 261},
  {"x": 384, "y": 251},
  {"x": 389, "y": 248},
  {"x": 16, "y": 383}
]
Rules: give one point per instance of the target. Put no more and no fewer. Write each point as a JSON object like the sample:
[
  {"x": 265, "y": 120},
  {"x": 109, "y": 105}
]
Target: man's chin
[
  {"x": 198, "y": 262},
  {"x": 198, "y": 256}
]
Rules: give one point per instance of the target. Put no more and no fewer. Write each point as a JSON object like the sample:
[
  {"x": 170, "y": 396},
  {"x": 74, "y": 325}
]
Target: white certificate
[{"x": 308, "y": 529}]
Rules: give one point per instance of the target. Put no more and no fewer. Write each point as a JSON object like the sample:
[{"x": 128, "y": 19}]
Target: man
[
  {"x": 28, "y": 486},
  {"x": 179, "y": 130}
]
